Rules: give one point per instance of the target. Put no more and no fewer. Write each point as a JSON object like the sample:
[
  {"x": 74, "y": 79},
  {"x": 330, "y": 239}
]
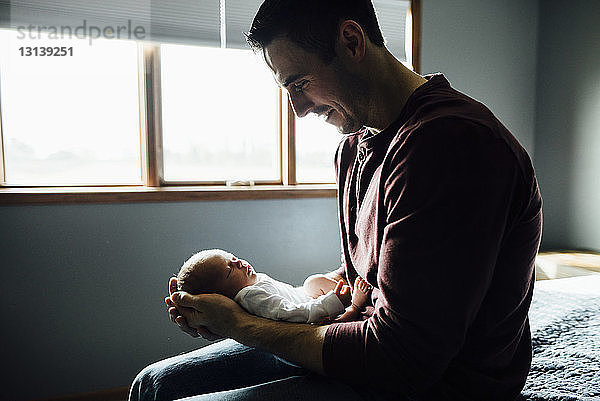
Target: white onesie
[{"x": 280, "y": 301}]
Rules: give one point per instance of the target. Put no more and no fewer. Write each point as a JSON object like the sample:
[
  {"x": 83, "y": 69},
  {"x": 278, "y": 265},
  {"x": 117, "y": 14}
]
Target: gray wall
[
  {"x": 83, "y": 285},
  {"x": 487, "y": 49},
  {"x": 567, "y": 141}
]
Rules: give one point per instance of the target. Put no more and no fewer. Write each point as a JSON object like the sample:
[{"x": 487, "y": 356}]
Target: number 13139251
[{"x": 46, "y": 51}]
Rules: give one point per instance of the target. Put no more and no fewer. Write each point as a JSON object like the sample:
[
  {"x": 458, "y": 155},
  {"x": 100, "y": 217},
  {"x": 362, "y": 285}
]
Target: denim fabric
[
  {"x": 310, "y": 387},
  {"x": 230, "y": 371}
]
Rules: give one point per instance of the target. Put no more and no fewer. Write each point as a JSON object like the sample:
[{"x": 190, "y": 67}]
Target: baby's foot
[{"x": 361, "y": 293}]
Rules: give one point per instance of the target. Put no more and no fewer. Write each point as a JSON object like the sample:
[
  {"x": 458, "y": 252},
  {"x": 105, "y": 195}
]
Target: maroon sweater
[{"x": 441, "y": 213}]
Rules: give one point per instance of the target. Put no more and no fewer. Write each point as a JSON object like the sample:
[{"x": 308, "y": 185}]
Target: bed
[{"x": 565, "y": 328}]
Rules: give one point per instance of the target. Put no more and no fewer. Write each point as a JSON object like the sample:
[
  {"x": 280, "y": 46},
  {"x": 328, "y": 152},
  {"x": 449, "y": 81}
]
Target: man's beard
[
  {"x": 346, "y": 79},
  {"x": 349, "y": 125}
]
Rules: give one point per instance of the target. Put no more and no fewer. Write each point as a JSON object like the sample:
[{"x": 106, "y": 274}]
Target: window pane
[
  {"x": 70, "y": 119},
  {"x": 316, "y": 143},
  {"x": 219, "y": 115}
]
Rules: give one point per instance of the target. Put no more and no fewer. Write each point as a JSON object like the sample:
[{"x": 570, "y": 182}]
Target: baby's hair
[{"x": 190, "y": 277}]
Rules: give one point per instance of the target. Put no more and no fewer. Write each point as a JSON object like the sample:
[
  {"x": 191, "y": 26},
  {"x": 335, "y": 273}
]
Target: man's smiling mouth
[
  {"x": 325, "y": 116},
  {"x": 329, "y": 114}
]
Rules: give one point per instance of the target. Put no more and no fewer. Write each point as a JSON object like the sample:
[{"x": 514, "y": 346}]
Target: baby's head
[{"x": 215, "y": 271}]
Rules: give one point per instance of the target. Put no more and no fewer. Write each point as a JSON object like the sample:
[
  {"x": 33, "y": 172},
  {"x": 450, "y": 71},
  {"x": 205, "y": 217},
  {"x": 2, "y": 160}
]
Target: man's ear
[{"x": 352, "y": 39}]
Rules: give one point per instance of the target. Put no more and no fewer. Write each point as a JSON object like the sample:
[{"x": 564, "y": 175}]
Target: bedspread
[{"x": 565, "y": 328}]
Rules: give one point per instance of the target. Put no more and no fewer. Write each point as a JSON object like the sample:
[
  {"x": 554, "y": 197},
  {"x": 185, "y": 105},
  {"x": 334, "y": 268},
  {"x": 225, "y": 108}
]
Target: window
[
  {"x": 316, "y": 143},
  {"x": 175, "y": 100},
  {"x": 218, "y": 116},
  {"x": 69, "y": 121}
]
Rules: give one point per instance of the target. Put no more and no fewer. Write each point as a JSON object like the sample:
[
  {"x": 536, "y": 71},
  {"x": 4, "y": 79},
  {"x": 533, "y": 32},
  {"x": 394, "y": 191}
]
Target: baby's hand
[
  {"x": 343, "y": 293},
  {"x": 362, "y": 290}
]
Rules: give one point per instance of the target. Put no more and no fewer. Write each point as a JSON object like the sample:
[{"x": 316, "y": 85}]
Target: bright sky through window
[
  {"x": 219, "y": 115},
  {"x": 74, "y": 120},
  {"x": 70, "y": 119},
  {"x": 316, "y": 143}
]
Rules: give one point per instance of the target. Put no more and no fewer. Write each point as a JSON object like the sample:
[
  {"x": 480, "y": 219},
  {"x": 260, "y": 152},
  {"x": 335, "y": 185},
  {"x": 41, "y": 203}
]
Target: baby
[{"x": 320, "y": 299}]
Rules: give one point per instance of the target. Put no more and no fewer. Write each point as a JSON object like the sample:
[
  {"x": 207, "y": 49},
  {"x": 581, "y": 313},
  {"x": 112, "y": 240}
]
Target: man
[{"x": 439, "y": 211}]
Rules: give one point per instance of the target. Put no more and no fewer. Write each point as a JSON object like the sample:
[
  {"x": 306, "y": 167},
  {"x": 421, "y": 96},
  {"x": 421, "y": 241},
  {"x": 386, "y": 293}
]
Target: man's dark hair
[{"x": 311, "y": 24}]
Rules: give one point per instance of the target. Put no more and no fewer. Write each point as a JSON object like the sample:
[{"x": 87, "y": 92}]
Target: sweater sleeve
[
  {"x": 446, "y": 200},
  {"x": 260, "y": 302}
]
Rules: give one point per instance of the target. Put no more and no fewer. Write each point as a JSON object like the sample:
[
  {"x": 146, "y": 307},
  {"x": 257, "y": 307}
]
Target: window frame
[
  {"x": 2, "y": 168},
  {"x": 154, "y": 188}
]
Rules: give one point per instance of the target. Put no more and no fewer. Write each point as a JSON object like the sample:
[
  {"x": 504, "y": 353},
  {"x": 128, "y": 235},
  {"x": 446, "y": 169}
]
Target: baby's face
[
  {"x": 235, "y": 274},
  {"x": 227, "y": 274}
]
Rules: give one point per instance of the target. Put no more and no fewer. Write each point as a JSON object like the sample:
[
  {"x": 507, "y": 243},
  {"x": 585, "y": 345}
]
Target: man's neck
[{"x": 390, "y": 88}]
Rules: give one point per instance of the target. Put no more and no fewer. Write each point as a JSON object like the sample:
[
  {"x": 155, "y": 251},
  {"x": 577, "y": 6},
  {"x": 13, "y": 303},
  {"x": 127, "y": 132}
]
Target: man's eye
[{"x": 300, "y": 86}]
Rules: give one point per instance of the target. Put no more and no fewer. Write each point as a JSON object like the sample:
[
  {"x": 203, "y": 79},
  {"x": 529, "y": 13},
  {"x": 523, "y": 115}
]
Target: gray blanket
[{"x": 565, "y": 327}]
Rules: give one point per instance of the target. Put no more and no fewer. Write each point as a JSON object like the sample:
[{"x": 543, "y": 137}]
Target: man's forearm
[{"x": 299, "y": 343}]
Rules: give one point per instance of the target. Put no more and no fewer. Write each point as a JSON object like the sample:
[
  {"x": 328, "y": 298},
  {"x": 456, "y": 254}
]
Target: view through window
[
  {"x": 219, "y": 109},
  {"x": 70, "y": 120},
  {"x": 316, "y": 143}
]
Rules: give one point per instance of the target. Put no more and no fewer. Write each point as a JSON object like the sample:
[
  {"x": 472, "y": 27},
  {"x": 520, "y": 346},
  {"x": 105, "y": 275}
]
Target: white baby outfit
[{"x": 280, "y": 301}]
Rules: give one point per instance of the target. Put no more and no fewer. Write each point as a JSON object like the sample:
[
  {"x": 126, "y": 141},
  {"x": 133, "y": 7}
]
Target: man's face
[{"x": 313, "y": 86}]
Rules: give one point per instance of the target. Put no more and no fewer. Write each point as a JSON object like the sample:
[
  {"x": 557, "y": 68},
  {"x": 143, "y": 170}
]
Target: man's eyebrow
[
  {"x": 291, "y": 79},
  {"x": 230, "y": 270}
]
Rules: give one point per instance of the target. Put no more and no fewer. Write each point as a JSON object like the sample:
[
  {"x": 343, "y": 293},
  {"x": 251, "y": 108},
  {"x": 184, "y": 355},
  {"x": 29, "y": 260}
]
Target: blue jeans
[{"x": 230, "y": 371}]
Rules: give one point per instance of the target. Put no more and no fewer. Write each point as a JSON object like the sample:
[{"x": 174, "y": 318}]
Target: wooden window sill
[{"x": 130, "y": 194}]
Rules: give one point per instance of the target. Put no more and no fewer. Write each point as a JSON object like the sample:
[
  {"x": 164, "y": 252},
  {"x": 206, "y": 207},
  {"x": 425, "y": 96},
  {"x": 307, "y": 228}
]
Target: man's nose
[{"x": 301, "y": 104}]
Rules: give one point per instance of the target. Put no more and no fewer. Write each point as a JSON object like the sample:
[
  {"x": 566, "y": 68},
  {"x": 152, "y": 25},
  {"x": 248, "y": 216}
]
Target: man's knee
[
  {"x": 179, "y": 375},
  {"x": 145, "y": 385},
  {"x": 161, "y": 380},
  {"x": 217, "y": 367}
]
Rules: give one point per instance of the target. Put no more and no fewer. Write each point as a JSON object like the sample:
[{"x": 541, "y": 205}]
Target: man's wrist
[
  {"x": 299, "y": 343},
  {"x": 239, "y": 323}
]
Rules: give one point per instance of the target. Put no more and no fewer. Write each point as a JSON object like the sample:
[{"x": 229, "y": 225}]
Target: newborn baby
[{"x": 218, "y": 271}]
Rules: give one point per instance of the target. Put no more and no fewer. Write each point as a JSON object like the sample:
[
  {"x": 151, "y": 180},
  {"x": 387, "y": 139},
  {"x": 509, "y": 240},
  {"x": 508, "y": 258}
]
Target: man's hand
[
  {"x": 177, "y": 318},
  {"x": 343, "y": 293},
  {"x": 213, "y": 312},
  {"x": 299, "y": 343}
]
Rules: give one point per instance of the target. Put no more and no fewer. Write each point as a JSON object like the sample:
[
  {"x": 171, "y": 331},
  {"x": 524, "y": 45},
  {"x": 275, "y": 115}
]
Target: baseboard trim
[{"x": 115, "y": 394}]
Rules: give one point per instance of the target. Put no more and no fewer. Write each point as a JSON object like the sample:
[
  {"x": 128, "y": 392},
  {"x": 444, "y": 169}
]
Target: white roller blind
[
  {"x": 392, "y": 21},
  {"x": 186, "y": 21},
  {"x": 60, "y": 15},
  {"x": 174, "y": 21},
  {"x": 179, "y": 21},
  {"x": 72, "y": 13}
]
